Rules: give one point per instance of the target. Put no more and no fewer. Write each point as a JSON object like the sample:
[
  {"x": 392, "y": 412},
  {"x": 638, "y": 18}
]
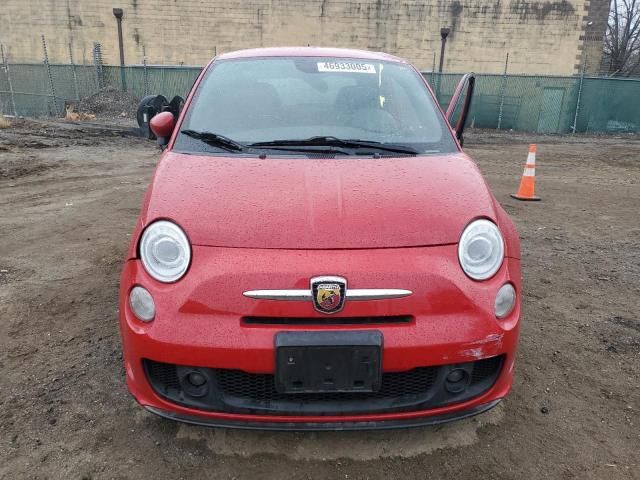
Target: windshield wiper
[
  {"x": 329, "y": 141},
  {"x": 215, "y": 140}
]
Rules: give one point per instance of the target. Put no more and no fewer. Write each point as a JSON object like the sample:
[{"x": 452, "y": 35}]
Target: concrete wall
[{"x": 542, "y": 37}]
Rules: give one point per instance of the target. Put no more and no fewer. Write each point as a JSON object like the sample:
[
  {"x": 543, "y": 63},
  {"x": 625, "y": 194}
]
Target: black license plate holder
[{"x": 324, "y": 362}]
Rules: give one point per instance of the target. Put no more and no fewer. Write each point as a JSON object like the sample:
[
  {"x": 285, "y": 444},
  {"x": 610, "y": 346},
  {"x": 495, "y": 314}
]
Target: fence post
[
  {"x": 503, "y": 88},
  {"x": 433, "y": 68},
  {"x": 145, "y": 76},
  {"x": 163, "y": 90},
  {"x": 97, "y": 62},
  {"x": 438, "y": 85},
  {"x": 123, "y": 77},
  {"x": 48, "y": 68},
  {"x": 5, "y": 63},
  {"x": 575, "y": 118},
  {"x": 75, "y": 74}
]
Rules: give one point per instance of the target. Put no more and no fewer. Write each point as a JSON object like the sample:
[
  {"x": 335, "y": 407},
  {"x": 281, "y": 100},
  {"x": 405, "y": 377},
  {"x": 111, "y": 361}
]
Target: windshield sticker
[{"x": 346, "y": 67}]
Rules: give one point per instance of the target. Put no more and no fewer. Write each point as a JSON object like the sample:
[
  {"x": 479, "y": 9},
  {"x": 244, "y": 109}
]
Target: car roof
[{"x": 310, "y": 52}]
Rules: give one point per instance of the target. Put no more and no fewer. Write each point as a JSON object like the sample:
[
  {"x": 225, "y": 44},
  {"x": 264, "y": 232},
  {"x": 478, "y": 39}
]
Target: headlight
[
  {"x": 165, "y": 251},
  {"x": 481, "y": 249}
]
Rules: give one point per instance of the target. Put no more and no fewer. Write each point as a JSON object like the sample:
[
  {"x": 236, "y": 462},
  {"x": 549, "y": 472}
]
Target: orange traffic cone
[{"x": 528, "y": 182}]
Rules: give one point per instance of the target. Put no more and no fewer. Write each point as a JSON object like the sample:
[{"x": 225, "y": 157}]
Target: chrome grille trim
[{"x": 355, "y": 294}]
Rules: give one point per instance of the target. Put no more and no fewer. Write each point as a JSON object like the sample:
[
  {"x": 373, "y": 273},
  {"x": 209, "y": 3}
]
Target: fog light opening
[
  {"x": 456, "y": 381},
  {"x": 142, "y": 304},
  {"x": 195, "y": 383},
  {"x": 505, "y": 300},
  {"x": 196, "y": 379}
]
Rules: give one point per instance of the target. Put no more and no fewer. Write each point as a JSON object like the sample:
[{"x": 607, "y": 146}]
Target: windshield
[{"x": 276, "y": 100}]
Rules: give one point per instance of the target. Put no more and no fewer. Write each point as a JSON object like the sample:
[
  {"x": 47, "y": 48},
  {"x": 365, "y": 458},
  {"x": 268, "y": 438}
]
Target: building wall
[{"x": 542, "y": 37}]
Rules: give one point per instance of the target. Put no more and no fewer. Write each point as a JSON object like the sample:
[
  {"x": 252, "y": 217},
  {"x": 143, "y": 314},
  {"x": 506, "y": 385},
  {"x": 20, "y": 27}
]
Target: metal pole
[
  {"x": 575, "y": 118},
  {"x": 502, "y": 90},
  {"x": 48, "y": 67},
  {"x": 5, "y": 63},
  {"x": 75, "y": 74},
  {"x": 119, "y": 13},
  {"x": 444, "y": 33}
]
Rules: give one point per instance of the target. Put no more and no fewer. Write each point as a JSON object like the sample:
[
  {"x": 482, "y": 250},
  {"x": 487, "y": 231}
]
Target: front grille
[
  {"x": 261, "y": 387},
  {"x": 380, "y": 320},
  {"x": 165, "y": 374},
  {"x": 484, "y": 369},
  {"x": 235, "y": 391}
]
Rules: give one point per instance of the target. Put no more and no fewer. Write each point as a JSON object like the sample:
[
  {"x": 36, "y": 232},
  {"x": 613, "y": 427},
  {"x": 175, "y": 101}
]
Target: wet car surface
[{"x": 316, "y": 251}]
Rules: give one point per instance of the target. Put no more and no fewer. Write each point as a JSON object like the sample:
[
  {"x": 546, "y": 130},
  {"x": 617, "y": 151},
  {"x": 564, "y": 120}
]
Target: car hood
[{"x": 304, "y": 203}]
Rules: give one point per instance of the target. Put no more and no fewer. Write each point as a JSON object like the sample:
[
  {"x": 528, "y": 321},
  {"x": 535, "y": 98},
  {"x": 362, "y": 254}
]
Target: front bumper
[
  {"x": 434, "y": 419},
  {"x": 201, "y": 321}
]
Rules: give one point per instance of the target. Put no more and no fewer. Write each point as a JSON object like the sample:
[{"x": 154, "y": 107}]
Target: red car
[{"x": 315, "y": 251}]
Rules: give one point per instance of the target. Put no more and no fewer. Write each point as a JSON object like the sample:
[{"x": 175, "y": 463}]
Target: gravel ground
[
  {"x": 69, "y": 197},
  {"x": 110, "y": 103}
]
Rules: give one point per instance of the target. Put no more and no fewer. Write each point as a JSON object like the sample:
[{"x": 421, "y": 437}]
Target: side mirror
[
  {"x": 162, "y": 126},
  {"x": 460, "y": 105}
]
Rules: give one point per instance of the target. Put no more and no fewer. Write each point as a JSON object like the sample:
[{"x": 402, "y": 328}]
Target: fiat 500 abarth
[{"x": 315, "y": 251}]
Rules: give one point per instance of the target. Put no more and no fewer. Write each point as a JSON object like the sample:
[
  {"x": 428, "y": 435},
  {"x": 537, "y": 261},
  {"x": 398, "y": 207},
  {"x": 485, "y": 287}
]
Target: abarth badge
[{"x": 328, "y": 293}]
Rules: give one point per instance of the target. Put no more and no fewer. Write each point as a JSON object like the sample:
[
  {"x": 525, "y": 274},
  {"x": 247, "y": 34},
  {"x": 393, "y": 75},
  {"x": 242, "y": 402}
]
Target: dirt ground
[{"x": 69, "y": 197}]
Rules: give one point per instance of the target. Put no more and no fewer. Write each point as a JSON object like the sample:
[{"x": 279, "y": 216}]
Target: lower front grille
[
  {"x": 164, "y": 374},
  {"x": 485, "y": 369},
  {"x": 235, "y": 391},
  {"x": 262, "y": 386}
]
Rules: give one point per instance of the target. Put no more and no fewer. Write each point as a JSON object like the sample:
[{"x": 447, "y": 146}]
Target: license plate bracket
[{"x": 323, "y": 362}]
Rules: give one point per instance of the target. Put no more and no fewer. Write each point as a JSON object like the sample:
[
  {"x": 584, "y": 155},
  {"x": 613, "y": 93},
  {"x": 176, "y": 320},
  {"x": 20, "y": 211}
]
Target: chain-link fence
[
  {"x": 548, "y": 104},
  {"x": 36, "y": 90},
  {"x": 153, "y": 79},
  {"x": 545, "y": 104}
]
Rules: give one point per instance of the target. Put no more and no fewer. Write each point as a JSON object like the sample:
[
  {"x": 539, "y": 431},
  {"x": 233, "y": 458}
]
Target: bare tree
[{"x": 622, "y": 39}]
